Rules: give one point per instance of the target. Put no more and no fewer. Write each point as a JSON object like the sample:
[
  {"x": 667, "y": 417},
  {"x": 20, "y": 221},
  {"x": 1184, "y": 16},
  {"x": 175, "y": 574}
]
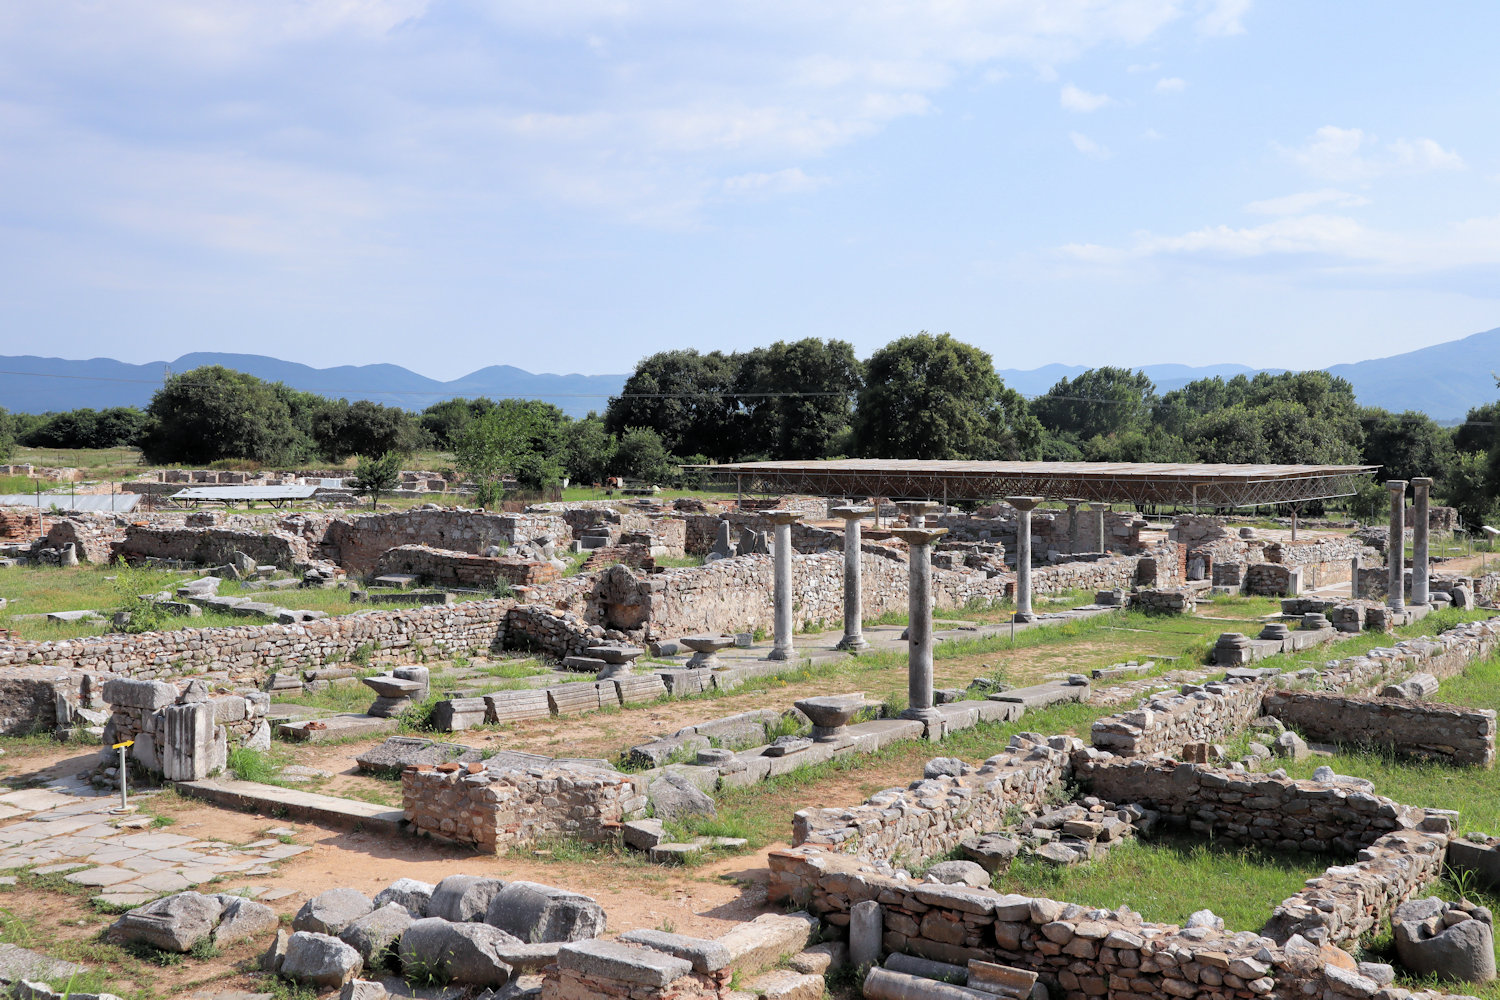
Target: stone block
[
  {"x": 148, "y": 696},
  {"x": 623, "y": 962},
  {"x": 706, "y": 956}
]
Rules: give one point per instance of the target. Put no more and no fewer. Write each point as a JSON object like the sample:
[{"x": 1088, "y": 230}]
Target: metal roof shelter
[
  {"x": 1103, "y": 482},
  {"x": 97, "y": 502},
  {"x": 274, "y": 495}
]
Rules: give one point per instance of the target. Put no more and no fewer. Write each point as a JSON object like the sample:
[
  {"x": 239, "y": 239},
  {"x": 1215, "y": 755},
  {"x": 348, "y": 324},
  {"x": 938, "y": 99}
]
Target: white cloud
[
  {"x": 1151, "y": 134},
  {"x": 1306, "y": 201},
  {"x": 1170, "y": 84},
  {"x": 630, "y": 111},
  {"x": 1315, "y": 243},
  {"x": 1074, "y": 99},
  {"x": 1088, "y": 147},
  {"x": 1222, "y": 17},
  {"x": 1351, "y": 154},
  {"x": 790, "y": 181}
]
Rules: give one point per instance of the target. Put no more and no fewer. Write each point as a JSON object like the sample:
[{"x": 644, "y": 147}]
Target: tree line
[{"x": 925, "y": 396}]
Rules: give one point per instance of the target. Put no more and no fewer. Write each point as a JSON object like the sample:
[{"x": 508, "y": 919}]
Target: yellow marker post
[{"x": 124, "y": 806}]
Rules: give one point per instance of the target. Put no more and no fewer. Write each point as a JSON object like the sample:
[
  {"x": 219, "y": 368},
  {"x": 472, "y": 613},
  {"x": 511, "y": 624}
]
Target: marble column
[
  {"x": 781, "y": 554},
  {"x": 1024, "y": 507},
  {"x": 919, "y": 625},
  {"x": 916, "y": 511},
  {"x": 1395, "y": 550},
  {"x": 1419, "y": 562},
  {"x": 1098, "y": 509},
  {"x": 1073, "y": 506},
  {"x": 854, "y": 637}
]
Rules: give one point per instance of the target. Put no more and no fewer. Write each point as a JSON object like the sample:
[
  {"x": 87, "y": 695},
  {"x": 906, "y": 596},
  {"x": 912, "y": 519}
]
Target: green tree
[
  {"x": 589, "y": 450},
  {"x": 687, "y": 398},
  {"x": 1179, "y": 407},
  {"x": 7, "y": 433},
  {"x": 797, "y": 398},
  {"x": 1467, "y": 487},
  {"x": 1103, "y": 401},
  {"x": 520, "y": 437},
  {"x": 1231, "y": 435},
  {"x": 1406, "y": 445},
  {"x": 642, "y": 455},
  {"x": 342, "y": 429},
  {"x": 939, "y": 398},
  {"x": 444, "y": 422},
  {"x": 377, "y": 475},
  {"x": 211, "y": 413}
]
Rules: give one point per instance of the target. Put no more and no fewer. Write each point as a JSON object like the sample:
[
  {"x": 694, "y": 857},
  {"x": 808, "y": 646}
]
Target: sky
[{"x": 569, "y": 185}]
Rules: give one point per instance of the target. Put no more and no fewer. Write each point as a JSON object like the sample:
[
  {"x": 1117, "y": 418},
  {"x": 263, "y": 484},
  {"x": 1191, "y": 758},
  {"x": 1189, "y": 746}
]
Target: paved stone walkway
[{"x": 66, "y": 828}]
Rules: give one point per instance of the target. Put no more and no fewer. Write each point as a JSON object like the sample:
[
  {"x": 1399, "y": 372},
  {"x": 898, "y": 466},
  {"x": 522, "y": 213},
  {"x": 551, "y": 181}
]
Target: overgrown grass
[{"x": 1165, "y": 880}]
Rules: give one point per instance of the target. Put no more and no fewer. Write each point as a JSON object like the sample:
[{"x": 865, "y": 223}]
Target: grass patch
[{"x": 1165, "y": 880}]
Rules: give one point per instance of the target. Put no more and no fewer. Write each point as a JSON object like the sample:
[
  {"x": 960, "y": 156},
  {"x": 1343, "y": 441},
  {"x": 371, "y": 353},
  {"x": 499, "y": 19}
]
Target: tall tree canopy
[
  {"x": 684, "y": 396},
  {"x": 797, "y": 398},
  {"x": 213, "y": 412},
  {"x": 1099, "y": 401},
  {"x": 936, "y": 397}
]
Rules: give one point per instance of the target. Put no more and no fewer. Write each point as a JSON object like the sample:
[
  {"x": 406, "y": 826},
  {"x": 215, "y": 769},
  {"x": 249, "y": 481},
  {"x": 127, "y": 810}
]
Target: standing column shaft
[
  {"x": 1024, "y": 507},
  {"x": 919, "y": 626},
  {"x": 1073, "y": 526},
  {"x": 1396, "y": 547},
  {"x": 1098, "y": 509},
  {"x": 1419, "y": 542},
  {"x": 853, "y": 591},
  {"x": 781, "y": 643}
]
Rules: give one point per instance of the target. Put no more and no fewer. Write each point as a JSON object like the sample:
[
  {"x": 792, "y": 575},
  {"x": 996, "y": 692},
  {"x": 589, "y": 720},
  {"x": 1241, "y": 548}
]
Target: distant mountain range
[{"x": 1443, "y": 381}]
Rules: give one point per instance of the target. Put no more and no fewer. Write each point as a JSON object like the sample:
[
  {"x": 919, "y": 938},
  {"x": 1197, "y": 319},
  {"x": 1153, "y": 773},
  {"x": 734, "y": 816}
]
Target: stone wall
[
  {"x": 1272, "y": 580},
  {"x": 932, "y": 816},
  {"x": 493, "y": 810},
  {"x": 1324, "y": 561},
  {"x": 211, "y": 546},
  {"x": 357, "y": 543},
  {"x": 245, "y": 655},
  {"x": 1277, "y": 814},
  {"x": 1165, "y": 723},
  {"x": 30, "y": 696},
  {"x": 1448, "y": 732},
  {"x": 182, "y": 733},
  {"x": 92, "y": 540},
  {"x": 1077, "y": 952},
  {"x": 447, "y": 568}
]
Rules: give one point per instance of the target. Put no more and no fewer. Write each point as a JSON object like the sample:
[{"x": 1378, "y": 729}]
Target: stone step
[{"x": 310, "y": 807}]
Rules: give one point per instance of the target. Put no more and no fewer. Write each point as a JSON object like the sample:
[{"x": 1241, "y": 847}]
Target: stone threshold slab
[
  {"x": 311, "y": 807},
  {"x": 336, "y": 727}
]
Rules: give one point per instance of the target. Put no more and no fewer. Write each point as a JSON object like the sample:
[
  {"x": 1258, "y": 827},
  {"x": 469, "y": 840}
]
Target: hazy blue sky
[{"x": 566, "y": 186}]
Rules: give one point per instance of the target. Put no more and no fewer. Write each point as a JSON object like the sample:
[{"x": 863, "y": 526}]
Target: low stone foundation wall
[
  {"x": 245, "y": 655},
  {"x": 91, "y": 540},
  {"x": 1165, "y": 723},
  {"x": 1278, "y": 814},
  {"x": 932, "y": 816},
  {"x": 182, "y": 734},
  {"x": 1078, "y": 953},
  {"x": 549, "y": 631},
  {"x": 449, "y": 568},
  {"x": 358, "y": 542},
  {"x": 1446, "y": 732},
  {"x": 508, "y": 807},
  {"x": 211, "y": 546},
  {"x": 29, "y": 698},
  {"x": 1347, "y": 902}
]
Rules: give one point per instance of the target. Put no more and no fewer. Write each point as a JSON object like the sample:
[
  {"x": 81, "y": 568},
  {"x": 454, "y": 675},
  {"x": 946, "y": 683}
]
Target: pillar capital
[
  {"x": 1074, "y": 502},
  {"x": 782, "y": 516},
  {"x": 919, "y": 536},
  {"x": 917, "y": 506},
  {"x": 851, "y": 512},
  {"x": 1396, "y": 485},
  {"x": 1023, "y": 503},
  {"x": 1421, "y": 483},
  {"x": 1096, "y": 505}
]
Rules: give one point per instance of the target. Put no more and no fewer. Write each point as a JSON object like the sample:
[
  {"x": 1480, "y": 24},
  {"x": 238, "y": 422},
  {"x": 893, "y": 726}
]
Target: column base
[
  {"x": 930, "y": 718},
  {"x": 781, "y": 653},
  {"x": 1025, "y": 616},
  {"x": 852, "y": 642}
]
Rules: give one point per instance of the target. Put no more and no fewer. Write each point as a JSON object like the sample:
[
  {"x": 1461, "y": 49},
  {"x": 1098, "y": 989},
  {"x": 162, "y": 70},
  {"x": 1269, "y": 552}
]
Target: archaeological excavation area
[{"x": 910, "y": 731}]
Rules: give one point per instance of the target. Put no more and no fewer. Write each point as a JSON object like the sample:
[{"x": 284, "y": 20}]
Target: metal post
[{"x": 124, "y": 805}]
